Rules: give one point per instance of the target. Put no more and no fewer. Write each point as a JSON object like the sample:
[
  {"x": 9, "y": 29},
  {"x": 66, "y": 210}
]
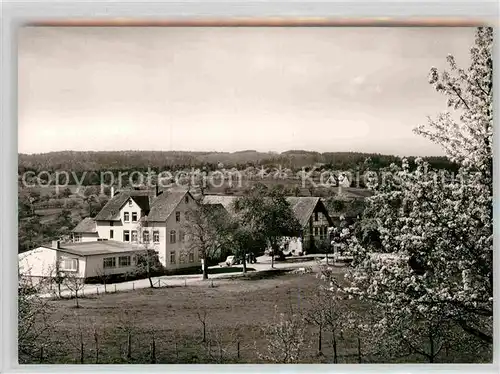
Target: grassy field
[
  {"x": 236, "y": 310},
  {"x": 237, "y": 313}
]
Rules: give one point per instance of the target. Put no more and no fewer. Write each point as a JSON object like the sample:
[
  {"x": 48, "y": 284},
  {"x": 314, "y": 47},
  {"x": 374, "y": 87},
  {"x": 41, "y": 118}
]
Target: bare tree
[
  {"x": 126, "y": 325},
  {"x": 202, "y": 317},
  {"x": 75, "y": 284},
  {"x": 95, "y": 331},
  {"x": 34, "y": 318},
  {"x": 327, "y": 312},
  {"x": 104, "y": 277},
  {"x": 222, "y": 338},
  {"x": 285, "y": 338}
]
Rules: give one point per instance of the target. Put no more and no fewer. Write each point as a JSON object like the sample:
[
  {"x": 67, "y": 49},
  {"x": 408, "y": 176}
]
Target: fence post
[
  {"x": 115, "y": 287},
  {"x": 97, "y": 289},
  {"x": 133, "y": 286},
  {"x": 238, "y": 344},
  {"x": 185, "y": 282},
  {"x": 41, "y": 354}
]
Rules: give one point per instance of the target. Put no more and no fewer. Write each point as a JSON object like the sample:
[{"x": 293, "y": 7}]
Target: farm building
[
  {"x": 309, "y": 211},
  {"x": 84, "y": 260}
]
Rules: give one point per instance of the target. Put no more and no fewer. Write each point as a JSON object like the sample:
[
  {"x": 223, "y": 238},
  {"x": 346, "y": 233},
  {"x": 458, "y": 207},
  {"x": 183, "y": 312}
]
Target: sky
[{"x": 326, "y": 89}]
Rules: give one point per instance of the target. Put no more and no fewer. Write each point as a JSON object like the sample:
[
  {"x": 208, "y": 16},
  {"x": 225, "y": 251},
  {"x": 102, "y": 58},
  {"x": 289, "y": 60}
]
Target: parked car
[{"x": 230, "y": 260}]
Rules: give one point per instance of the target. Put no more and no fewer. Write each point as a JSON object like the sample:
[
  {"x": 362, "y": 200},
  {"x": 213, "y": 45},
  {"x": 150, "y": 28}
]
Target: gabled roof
[
  {"x": 302, "y": 207},
  {"x": 224, "y": 200},
  {"x": 87, "y": 225},
  {"x": 110, "y": 211},
  {"x": 165, "y": 204}
]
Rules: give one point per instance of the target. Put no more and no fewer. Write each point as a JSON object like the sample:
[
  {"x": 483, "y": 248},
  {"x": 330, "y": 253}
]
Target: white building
[
  {"x": 154, "y": 220},
  {"x": 84, "y": 260}
]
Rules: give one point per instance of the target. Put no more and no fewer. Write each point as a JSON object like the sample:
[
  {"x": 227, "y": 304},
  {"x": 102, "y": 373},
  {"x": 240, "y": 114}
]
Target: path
[{"x": 263, "y": 264}]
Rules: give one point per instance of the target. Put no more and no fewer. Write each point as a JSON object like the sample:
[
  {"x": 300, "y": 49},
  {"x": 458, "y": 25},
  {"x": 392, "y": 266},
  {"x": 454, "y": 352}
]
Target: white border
[{"x": 18, "y": 12}]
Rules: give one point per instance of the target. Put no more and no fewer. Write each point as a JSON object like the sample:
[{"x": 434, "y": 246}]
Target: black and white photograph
[{"x": 254, "y": 195}]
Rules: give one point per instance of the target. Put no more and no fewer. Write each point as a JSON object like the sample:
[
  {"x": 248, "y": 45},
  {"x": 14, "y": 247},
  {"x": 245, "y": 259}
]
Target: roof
[
  {"x": 87, "y": 225},
  {"x": 110, "y": 211},
  {"x": 224, "y": 200},
  {"x": 99, "y": 247},
  {"x": 165, "y": 204},
  {"x": 302, "y": 207}
]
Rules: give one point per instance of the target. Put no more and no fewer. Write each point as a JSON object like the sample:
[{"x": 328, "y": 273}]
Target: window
[
  {"x": 111, "y": 233},
  {"x": 186, "y": 199},
  {"x": 156, "y": 236},
  {"x": 134, "y": 235},
  {"x": 182, "y": 236},
  {"x": 124, "y": 261},
  {"x": 182, "y": 258},
  {"x": 126, "y": 216},
  {"x": 108, "y": 262},
  {"x": 126, "y": 236},
  {"x": 134, "y": 216},
  {"x": 69, "y": 264},
  {"x": 77, "y": 237},
  {"x": 315, "y": 231},
  {"x": 177, "y": 216},
  {"x": 172, "y": 237},
  {"x": 172, "y": 257},
  {"x": 315, "y": 216},
  {"x": 145, "y": 236},
  {"x": 130, "y": 202},
  {"x": 191, "y": 257}
]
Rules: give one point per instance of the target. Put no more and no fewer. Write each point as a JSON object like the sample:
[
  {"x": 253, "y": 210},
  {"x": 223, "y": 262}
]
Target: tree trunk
[
  {"x": 129, "y": 345},
  {"x": 76, "y": 299},
  {"x": 359, "y": 350},
  {"x": 205, "y": 269},
  {"x": 431, "y": 347},
  {"x": 82, "y": 358},
  {"x": 335, "y": 356},
  {"x": 151, "y": 282},
  {"x": 96, "y": 338},
  {"x": 320, "y": 352},
  {"x": 59, "y": 289},
  {"x": 153, "y": 351},
  {"x": 244, "y": 263}
]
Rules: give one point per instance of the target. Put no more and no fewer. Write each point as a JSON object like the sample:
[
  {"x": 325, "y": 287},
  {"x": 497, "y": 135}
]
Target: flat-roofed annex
[{"x": 99, "y": 248}]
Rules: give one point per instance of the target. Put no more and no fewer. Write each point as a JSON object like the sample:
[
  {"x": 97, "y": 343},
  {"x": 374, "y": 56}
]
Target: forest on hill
[{"x": 78, "y": 161}]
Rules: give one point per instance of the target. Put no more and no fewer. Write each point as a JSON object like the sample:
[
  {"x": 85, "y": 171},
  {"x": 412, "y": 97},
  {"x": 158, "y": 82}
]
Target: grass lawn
[{"x": 237, "y": 310}]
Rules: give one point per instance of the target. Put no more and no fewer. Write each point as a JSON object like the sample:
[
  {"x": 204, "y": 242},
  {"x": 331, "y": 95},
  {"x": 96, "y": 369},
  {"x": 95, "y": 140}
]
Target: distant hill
[{"x": 125, "y": 160}]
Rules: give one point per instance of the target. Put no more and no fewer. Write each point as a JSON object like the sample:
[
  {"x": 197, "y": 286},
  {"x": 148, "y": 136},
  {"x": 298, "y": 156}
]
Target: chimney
[
  {"x": 112, "y": 191},
  {"x": 56, "y": 244}
]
